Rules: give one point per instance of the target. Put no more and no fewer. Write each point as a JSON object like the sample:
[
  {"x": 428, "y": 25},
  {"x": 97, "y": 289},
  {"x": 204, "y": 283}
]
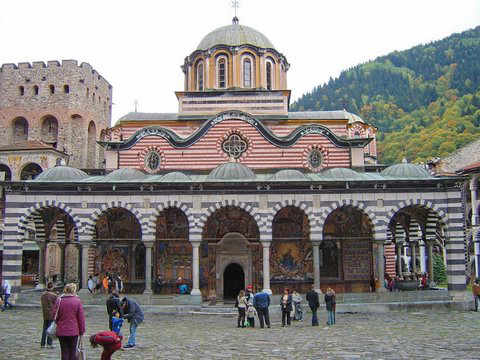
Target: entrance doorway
[{"x": 233, "y": 281}]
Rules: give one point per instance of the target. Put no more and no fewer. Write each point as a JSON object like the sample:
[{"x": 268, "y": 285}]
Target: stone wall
[{"x": 60, "y": 102}]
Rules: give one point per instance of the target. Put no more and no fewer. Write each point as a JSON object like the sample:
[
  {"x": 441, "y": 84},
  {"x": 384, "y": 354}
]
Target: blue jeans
[
  {"x": 133, "y": 333},
  {"x": 46, "y": 324},
  {"x": 330, "y": 317},
  {"x": 6, "y": 302},
  {"x": 314, "y": 316}
]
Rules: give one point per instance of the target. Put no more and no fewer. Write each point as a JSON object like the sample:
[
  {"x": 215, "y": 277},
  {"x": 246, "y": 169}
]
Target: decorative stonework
[
  {"x": 234, "y": 136},
  {"x": 143, "y": 159},
  {"x": 307, "y": 155}
]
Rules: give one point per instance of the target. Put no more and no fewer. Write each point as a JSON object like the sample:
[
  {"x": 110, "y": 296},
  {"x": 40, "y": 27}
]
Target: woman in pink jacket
[{"x": 70, "y": 321}]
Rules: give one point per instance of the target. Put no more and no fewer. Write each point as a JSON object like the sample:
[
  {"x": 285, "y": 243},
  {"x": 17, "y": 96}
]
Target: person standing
[
  {"x": 70, "y": 321},
  {"x": 476, "y": 292},
  {"x": 7, "y": 290},
  {"x": 241, "y": 306},
  {"x": 113, "y": 305},
  {"x": 261, "y": 302},
  {"x": 109, "y": 340},
  {"x": 286, "y": 305},
  {"x": 90, "y": 284},
  {"x": 134, "y": 314},
  {"x": 47, "y": 300},
  {"x": 249, "y": 294},
  {"x": 297, "y": 306},
  {"x": 158, "y": 284},
  {"x": 330, "y": 304},
  {"x": 314, "y": 304}
]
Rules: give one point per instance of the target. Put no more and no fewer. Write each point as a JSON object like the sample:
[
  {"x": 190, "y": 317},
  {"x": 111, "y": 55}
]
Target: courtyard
[{"x": 412, "y": 335}]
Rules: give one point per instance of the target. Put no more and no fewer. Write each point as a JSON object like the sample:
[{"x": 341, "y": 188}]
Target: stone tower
[{"x": 63, "y": 106}]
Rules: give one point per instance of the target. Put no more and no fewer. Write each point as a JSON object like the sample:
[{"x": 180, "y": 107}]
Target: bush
[{"x": 439, "y": 271}]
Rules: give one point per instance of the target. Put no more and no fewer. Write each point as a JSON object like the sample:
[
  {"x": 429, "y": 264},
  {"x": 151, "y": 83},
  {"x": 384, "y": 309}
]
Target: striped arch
[
  {"x": 298, "y": 204},
  {"x": 92, "y": 220},
  {"x": 414, "y": 230},
  {"x": 32, "y": 214},
  {"x": 152, "y": 220},
  {"x": 378, "y": 228},
  {"x": 218, "y": 205},
  {"x": 434, "y": 215}
]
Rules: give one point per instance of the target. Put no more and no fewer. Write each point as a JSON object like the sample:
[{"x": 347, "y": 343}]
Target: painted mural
[
  {"x": 291, "y": 250},
  {"x": 72, "y": 263},
  {"x": 112, "y": 258},
  {"x": 117, "y": 223},
  {"x": 230, "y": 219}
]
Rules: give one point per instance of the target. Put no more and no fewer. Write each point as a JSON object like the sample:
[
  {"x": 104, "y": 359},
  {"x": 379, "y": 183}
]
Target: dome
[
  {"x": 175, "y": 176},
  {"x": 406, "y": 170},
  {"x": 231, "y": 171},
  {"x": 235, "y": 35},
  {"x": 125, "y": 175},
  {"x": 61, "y": 173},
  {"x": 289, "y": 175},
  {"x": 353, "y": 118},
  {"x": 341, "y": 174}
]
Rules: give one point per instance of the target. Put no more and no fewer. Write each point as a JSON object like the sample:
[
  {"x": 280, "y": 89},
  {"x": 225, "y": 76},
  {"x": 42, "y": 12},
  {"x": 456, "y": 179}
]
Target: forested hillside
[{"x": 425, "y": 101}]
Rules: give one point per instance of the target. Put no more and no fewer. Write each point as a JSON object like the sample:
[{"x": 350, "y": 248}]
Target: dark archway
[
  {"x": 8, "y": 173},
  {"x": 30, "y": 171},
  {"x": 233, "y": 281}
]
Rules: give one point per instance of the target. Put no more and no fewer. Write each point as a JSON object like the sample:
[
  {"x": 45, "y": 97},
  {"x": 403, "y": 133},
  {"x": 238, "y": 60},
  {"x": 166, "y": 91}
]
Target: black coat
[
  {"x": 113, "y": 303},
  {"x": 330, "y": 301},
  {"x": 313, "y": 300},
  {"x": 289, "y": 303}
]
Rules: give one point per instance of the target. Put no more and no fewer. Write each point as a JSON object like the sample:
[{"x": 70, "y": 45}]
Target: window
[
  {"x": 221, "y": 74},
  {"x": 66, "y": 89},
  {"x": 35, "y": 90},
  {"x": 52, "y": 89},
  {"x": 269, "y": 76},
  {"x": 247, "y": 73},
  {"x": 315, "y": 159},
  {"x": 152, "y": 161},
  {"x": 21, "y": 89},
  {"x": 199, "y": 74},
  {"x": 329, "y": 259},
  {"x": 234, "y": 146},
  {"x": 356, "y": 135}
]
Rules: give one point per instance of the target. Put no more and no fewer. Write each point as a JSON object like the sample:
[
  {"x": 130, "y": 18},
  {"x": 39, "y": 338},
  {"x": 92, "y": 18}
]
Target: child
[
  {"x": 110, "y": 341},
  {"x": 117, "y": 322},
  {"x": 251, "y": 313}
]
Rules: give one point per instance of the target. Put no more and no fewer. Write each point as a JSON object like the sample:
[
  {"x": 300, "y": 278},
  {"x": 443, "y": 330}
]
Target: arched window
[
  {"x": 20, "y": 129},
  {"x": 222, "y": 73},
  {"x": 21, "y": 89},
  {"x": 199, "y": 76},
  {"x": 66, "y": 89},
  {"x": 35, "y": 90},
  {"x": 356, "y": 135},
  {"x": 269, "y": 76},
  {"x": 50, "y": 131},
  {"x": 52, "y": 89},
  {"x": 247, "y": 73}
]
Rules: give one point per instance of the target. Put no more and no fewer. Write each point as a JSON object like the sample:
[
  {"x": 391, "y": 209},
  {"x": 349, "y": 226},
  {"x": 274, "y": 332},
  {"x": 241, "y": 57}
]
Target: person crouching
[{"x": 109, "y": 340}]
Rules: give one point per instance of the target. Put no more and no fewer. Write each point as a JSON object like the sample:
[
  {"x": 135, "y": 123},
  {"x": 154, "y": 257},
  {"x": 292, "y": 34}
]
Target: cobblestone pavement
[{"x": 418, "y": 335}]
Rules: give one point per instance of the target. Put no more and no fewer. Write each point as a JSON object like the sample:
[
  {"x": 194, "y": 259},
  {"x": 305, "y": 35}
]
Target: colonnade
[{"x": 425, "y": 247}]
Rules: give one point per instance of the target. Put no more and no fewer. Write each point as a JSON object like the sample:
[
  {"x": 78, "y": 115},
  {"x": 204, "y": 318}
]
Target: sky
[{"x": 139, "y": 46}]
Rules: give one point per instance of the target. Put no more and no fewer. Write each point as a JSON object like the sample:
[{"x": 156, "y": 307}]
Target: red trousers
[{"x": 109, "y": 349}]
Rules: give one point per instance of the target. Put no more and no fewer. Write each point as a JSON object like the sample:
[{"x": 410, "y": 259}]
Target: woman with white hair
[{"x": 70, "y": 318}]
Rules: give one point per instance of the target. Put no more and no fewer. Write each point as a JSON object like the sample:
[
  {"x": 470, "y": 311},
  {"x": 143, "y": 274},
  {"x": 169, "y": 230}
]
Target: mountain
[{"x": 425, "y": 101}]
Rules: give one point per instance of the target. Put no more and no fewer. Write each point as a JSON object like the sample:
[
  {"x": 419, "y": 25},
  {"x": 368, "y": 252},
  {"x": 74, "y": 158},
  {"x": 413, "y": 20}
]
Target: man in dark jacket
[
  {"x": 47, "y": 299},
  {"x": 314, "y": 304},
  {"x": 134, "y": 314},
  {"x": 261, "y": 302},
  {"x": 113, "y": 304}
]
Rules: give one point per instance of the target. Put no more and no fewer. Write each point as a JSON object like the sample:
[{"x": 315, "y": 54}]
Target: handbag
[
  {"x": 52, "y": 329},
  {"x": 81, "y": 353}
]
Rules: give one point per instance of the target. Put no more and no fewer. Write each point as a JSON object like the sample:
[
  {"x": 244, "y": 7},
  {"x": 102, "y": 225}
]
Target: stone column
[
  {"x": 266, "y": 267},
  {"x": 62, "y": 246},
  {"x": 399, "y": 259},
  {"x": 316, "y": 265},
  {"x": 423, "y": 259},
  {"x": 84, "y": 249},
  {"x": 133, "y": 275},
  {"x": 475, "y": 221},
  {"x": 381, "y": 266},
  {"x": 430, "y": 259},
  {"x": 42, "y": 246},
  {"x": 148, "y": 266},
  {"x": 196, "y": 268},
  {"x": 413, "y": 248}
]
